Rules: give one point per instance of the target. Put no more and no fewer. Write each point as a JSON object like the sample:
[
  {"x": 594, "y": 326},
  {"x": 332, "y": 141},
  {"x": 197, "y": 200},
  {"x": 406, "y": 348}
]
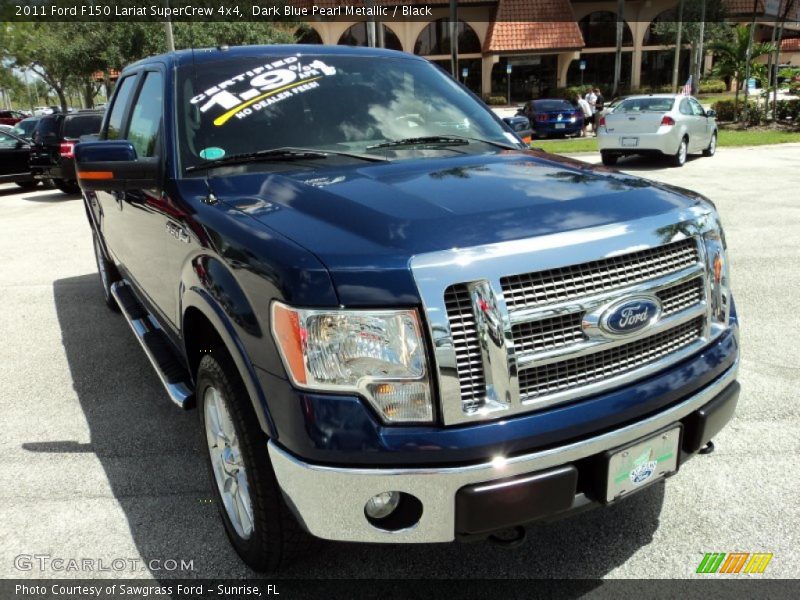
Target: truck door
[
  {"x": 109, "y": 210},
  {"x": 145, "y": 224}
]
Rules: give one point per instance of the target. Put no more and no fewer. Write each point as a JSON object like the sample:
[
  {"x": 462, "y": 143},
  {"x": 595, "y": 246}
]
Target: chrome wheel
[
  {"x": 712, "y": 148},
  {"x": 682, "y": 152},
  {"x": 227, "y": 463}
]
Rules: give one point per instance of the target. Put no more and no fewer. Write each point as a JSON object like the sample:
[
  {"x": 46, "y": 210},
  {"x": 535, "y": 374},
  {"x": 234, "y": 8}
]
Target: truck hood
[{"x": 374, "y": 217}]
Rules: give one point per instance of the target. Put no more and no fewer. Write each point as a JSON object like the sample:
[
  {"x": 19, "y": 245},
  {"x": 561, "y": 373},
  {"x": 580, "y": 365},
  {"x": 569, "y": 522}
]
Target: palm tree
[{"x": 730, "y": 58}]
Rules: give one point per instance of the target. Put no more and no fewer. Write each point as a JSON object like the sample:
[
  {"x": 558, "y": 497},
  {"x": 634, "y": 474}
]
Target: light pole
[
  {"x": 168, "y": 31},
  {"x": 678, "y": 42},
  {"x": 28, "y": 87}
]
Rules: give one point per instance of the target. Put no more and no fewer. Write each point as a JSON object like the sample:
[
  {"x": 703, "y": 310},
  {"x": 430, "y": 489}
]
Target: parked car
[
  {"x": 657, "y": 124},
  {"x": 521, "y": 126},
  {"x": 14, "y": 152},
  {"x": 25, "y": 127},
  {"x": 553, "y": 117},
  {"x": 40, "y": 111},
  {"x": 398, "y": 324},
  {"x": 10, "y": 117},
  {"x": 54, "y": 139}
]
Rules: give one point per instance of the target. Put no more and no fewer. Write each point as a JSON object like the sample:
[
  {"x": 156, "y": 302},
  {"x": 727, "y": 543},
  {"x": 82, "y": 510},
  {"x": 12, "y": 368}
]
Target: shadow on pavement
[
  {"x": 650, "y": 163},
  {"x": 152, "y": 455},
  {"x": 51, "y": 196}
]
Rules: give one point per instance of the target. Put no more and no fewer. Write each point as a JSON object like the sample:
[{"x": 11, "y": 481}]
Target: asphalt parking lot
[{"x": 99, "y": 464}]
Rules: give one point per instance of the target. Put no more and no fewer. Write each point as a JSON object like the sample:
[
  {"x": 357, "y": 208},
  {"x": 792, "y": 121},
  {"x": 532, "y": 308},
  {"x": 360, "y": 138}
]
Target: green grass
[{"x": 726, "y": 139}]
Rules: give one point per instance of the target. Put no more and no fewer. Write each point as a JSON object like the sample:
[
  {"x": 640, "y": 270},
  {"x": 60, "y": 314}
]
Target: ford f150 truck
[{"x": 397, "y": 322}]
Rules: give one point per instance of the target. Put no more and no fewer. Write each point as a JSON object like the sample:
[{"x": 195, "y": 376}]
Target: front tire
[
  {"x": 259, "y": 525},
  {"x": 679, "y": 158},
  {"x": 712, "y": 146},
  {"x": 609, "y": 159}
]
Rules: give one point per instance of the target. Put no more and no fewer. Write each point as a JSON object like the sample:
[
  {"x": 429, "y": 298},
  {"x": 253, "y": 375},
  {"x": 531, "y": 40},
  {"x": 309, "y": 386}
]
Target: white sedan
[{"x": 662, "y": 124}]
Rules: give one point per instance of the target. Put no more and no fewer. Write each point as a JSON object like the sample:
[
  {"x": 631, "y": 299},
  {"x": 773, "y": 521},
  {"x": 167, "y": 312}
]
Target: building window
[
  {"x": 308, "y": 36},
  {"x": 357, "y": 36},
  {"x": 435, "y": 39},
  {"x": 599, "y": 71},
  {"x": 651, "y": 38},
  {"x": 532, "y": 77},
  {"x": 599, "y": 30}
]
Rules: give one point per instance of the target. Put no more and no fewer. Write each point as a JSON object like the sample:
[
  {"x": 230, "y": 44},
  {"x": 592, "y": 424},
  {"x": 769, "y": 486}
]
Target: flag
[{"x": 687, "y": 87}]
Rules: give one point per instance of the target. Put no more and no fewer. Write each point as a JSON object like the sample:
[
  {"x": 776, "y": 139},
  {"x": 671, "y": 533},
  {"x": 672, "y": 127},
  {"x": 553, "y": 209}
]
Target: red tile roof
[
  {"x": 790, "y": 45},
  {"x": 526, "y": 25}
]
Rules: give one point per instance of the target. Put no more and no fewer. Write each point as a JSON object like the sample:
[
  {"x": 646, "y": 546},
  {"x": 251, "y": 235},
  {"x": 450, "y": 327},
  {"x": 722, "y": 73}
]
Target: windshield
[
  {"x": 335, "y": 103},
  {"x": 645, "y": 104}
]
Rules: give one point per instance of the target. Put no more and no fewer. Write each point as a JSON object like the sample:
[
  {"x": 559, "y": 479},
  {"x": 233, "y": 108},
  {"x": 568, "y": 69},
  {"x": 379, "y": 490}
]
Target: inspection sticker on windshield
[{"x": 246, "y": 93}]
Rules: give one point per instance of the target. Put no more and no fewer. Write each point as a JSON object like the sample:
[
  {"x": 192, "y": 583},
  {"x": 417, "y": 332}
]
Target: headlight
[
  {"x": 718, "y": 275},
  {"x": 379, "y": 354}
]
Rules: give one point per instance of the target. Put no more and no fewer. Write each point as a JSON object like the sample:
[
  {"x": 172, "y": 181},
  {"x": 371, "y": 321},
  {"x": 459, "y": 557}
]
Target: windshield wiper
[
  {"x": 438, "y": 140},
  {"x": 278, "y": 154}
]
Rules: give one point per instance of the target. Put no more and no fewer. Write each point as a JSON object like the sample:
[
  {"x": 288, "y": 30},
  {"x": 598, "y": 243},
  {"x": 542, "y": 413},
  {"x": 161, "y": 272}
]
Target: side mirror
[
  {"x": 113, "y": 166},
  {"x": 711, "y": 113}
]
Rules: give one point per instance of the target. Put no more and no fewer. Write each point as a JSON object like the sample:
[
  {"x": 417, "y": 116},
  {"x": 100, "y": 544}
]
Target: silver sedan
[{"x": 662, "y": 124}]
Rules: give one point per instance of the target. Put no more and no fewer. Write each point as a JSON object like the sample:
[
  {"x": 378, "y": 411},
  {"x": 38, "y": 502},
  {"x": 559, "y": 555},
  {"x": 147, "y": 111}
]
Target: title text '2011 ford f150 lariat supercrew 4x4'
[{"x": 397, "y": 322}]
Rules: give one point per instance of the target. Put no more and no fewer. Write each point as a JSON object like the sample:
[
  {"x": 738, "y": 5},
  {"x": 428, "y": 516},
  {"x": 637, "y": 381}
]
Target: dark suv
[{"x": 54, "y": 139}]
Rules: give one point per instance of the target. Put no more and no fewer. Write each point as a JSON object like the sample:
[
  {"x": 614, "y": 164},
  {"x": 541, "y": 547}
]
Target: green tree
[
  {"x": 699, "y": 28},
  {"x": 730, "y": 58}
]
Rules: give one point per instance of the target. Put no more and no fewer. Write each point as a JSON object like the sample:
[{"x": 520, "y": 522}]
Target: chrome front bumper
[{"x": 330, "y": 501}]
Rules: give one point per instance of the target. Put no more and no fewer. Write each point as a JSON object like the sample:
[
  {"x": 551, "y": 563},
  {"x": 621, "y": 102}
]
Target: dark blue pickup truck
[{"x": 398, "y": 323}]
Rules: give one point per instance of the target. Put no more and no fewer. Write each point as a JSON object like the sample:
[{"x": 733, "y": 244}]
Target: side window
[
  {"x": 685, "y": 108},
  {"x": 696, "y": 108},
  {"x": 146, "y": 118},
  {"x": 126, "y": 87},
  {"x": 6, "y": 141}
]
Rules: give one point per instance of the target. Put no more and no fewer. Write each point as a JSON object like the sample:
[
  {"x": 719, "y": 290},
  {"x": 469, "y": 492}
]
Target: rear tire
[
  {"x": 679, "y": 158},
  {"x": 108, "y": 274},
  {"x": 712, "y": 146},
  {"x": 609, "y": 159},
  {"x": 260, "y": 526},
  {"x": 68, "y": 186}
]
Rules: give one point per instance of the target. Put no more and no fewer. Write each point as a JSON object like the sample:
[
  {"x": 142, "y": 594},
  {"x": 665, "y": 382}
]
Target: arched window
[
  {"x": 599, "y": 30},
  {"x": 308, "y": 36},
  {"x": 435, "y": 39},
  {"x": 651, "y": 38},
  {"x": 356, "y": 35}
]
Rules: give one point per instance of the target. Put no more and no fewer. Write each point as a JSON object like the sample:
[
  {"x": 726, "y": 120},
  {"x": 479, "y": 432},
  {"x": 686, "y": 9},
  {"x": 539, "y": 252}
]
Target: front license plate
[
  {"x": 560, "y": 125},
  {"x": 629, "y": 142},
  {"x": 642, "y": 463}
]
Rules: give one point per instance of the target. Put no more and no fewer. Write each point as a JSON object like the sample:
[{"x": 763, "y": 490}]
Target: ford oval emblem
[{"x": 631, "y": 315}]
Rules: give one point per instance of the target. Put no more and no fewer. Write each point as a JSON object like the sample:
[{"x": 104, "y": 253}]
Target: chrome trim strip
[
  {"x": 590, "y": 303},
  {"x": 435, "y": 272},
  {"x": 317, "y": 492},
  {"x": 529, "y": 358}
]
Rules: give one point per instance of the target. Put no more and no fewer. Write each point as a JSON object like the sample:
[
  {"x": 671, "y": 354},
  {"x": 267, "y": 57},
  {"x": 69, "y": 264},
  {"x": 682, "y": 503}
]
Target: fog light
[{"x": 382, "y": 505}]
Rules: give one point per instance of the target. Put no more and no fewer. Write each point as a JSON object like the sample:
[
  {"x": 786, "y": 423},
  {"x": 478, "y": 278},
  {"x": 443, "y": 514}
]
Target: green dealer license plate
[{"x": 642, "y": 463}]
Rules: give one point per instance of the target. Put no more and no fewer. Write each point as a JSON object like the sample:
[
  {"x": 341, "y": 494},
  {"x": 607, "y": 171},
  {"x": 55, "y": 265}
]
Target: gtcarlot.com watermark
[{"x": 44, "y": 563}]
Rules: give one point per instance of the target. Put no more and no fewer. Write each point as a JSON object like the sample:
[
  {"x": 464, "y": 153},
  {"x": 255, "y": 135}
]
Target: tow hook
[
  {"x": 509, "y": 538},
  {"x": 707, "y": 449}
]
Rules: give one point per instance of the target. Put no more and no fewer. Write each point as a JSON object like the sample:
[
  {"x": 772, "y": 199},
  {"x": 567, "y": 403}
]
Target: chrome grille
[
  {"x": 681, "y": 296},
  {"x": 589, "y": 368},
  {"x": 547, "y": 334},
  {"x": 569, "y": 283},
  {"x": 467, "y": 348}
]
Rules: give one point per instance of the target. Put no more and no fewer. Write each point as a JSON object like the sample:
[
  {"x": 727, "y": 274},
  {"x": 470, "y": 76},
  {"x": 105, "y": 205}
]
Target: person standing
[
  {"x": 587, "y": 112},
  {"x": 591, "y": 99},
  {"x": 599, "y": 105}
]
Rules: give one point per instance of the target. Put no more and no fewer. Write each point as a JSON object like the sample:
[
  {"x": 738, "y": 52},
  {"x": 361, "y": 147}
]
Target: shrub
[
  {"x": 495, "y": 100},
  {"x": 788, "y": 109},
  {"x": 712, "y": 86},
  {"x": 724, "y": 109}
]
